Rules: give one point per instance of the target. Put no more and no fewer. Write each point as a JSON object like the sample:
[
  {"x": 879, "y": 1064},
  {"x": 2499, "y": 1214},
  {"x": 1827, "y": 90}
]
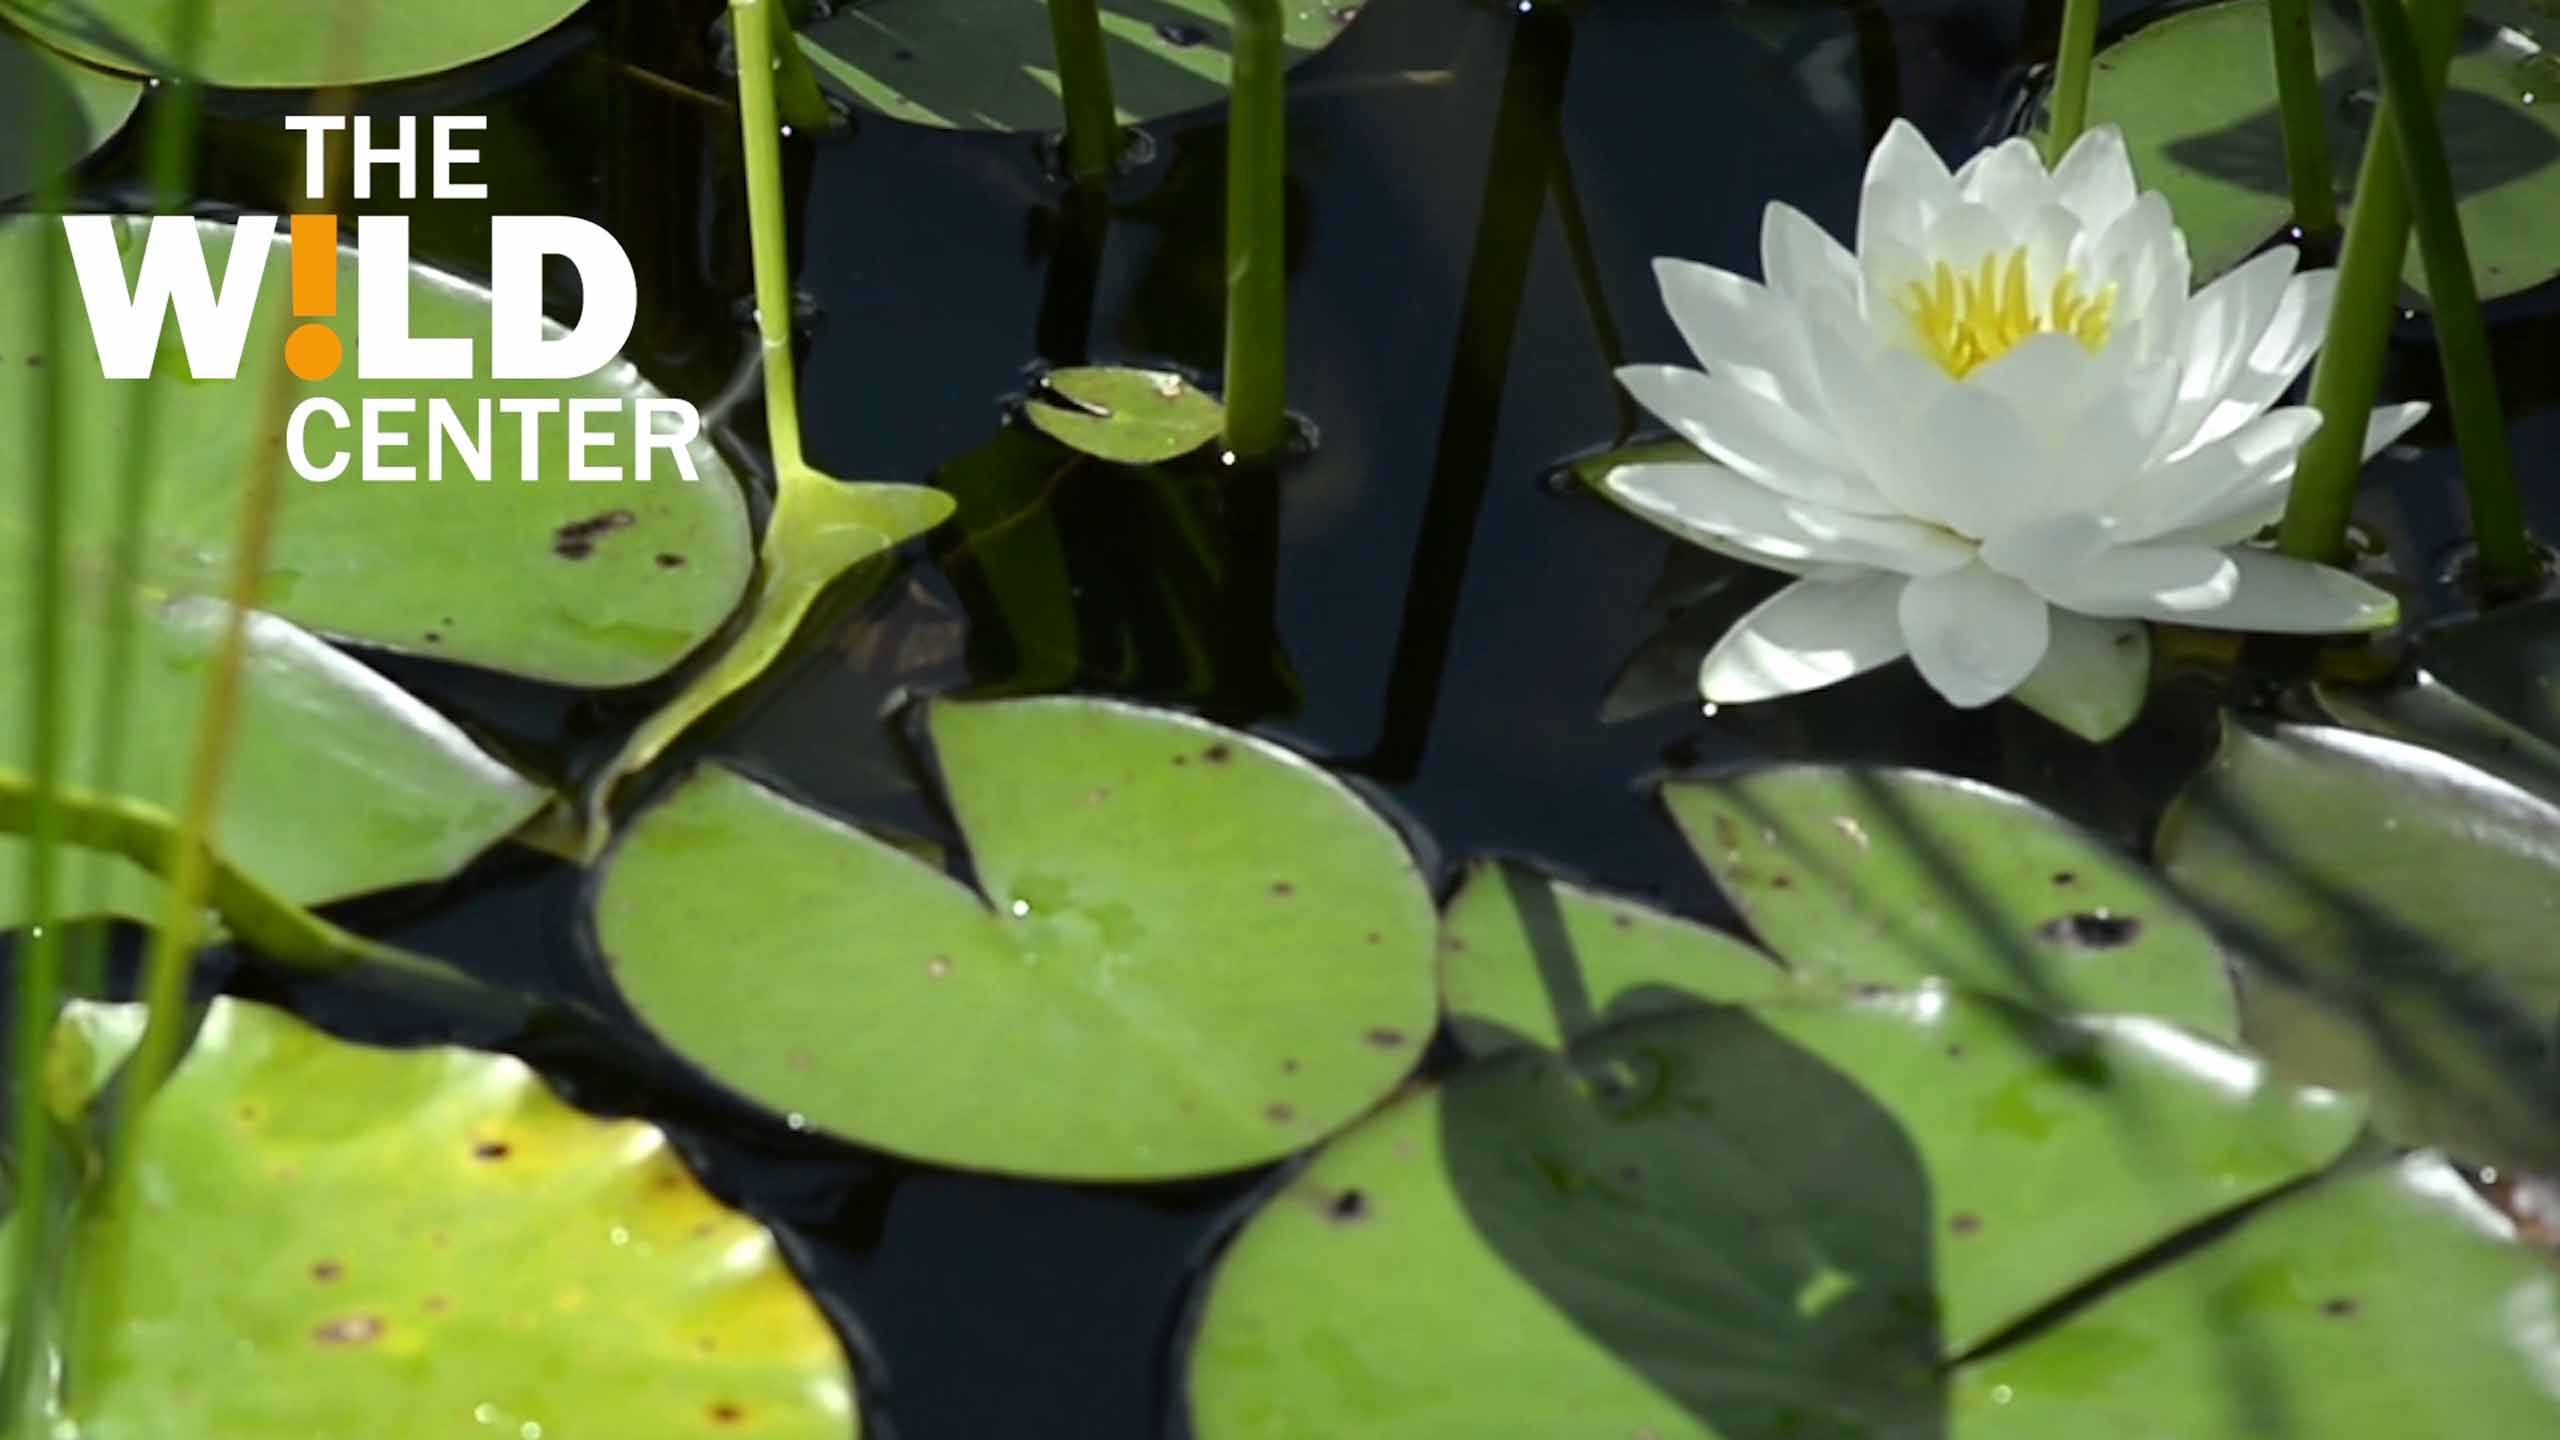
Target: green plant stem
[
  {"x": 25, "y": 1371},
  {"x": 2349, "y": 373},
  {"x": 2073, "y": 56},
  {"x": 1084, "y": 82},
  {"x": 821, "y": 527},
  {"x": 1257, "y": 235},
  {"x": 2462, "y": 340},
  {"x": 799, "y": 101},
  {"x": 2306, "y": 135}
]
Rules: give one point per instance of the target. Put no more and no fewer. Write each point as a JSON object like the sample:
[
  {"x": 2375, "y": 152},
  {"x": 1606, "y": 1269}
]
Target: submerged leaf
[
  {"x": 331, "y": 1239},
  {"x": 1872, "y": 876},
  {"x": 990, "y": 64},
  {"x": 1187, "y": 950},
  {"x": 290, "y": 44},
  {"x": 1123, "y": 415},
  {"x": 2393, "y": 910},
  {"x": 1731, "y": 1222}
]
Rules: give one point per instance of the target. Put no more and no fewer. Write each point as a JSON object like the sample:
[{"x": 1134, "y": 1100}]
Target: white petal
[
  {"x": 2252, "y": 507},
  {"x": 2167, "y": 581},
  {"x": 2281, "y": 595},
  {"x": 1811, "y": 634},
  {"x": 2008, "y": 178},
  {"x": 2094, "y": 676},
  {"x": 1963, "y": 234},
  {"x": 2291, "y": 337},
  {"x": 1738, "y": 330},
  {"x": 2243, "y": 472},
  {"x": 1762, "y": 438},
  {"x": 2092, "y": 422},
  {"x": 1971, "y": 463},
  {"x": 1717, "y": 508},
  {"x": 1906, "y": 186},
  {"x": 2224, "y": 322},
  {"x": 2095, "y": 178},
  {"x": 1799, "y": 256},
  {"x": 2390, "y": 422},
  {"x": 2145, "y": 256},
  {"x": 1974, "y": 633}
]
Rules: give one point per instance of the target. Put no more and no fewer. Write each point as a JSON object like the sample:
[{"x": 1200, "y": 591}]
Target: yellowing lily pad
[
  {"x": 290, "y": 44},
  {"x": 990, "y": 64},
  {"x": 1185, "y": 950},
  {"x": 332, "y": 1239},
  {"x": 1126, "y": 416}
]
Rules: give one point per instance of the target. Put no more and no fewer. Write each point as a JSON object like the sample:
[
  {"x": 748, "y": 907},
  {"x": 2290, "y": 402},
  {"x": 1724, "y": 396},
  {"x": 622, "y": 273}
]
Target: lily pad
[
  {"x": 2375, "y": 1305},
  {"x": 1876, "y": 876},
  {"x": 426, "y": 1239},
  {"x": 1126, "y": 416},
  {"x": 1186, "y": 950},
  {"x": 2392, "y": 909},
  {"x": 290, "y": 44},
  {"x": 1526, "y": 958},
  {"x": 80, "y": 110},
  {"x": 1730, "y": 1222},
  {"x": 339, "y": 782},
  {"x": 989, "y": 64},
  {"x": 2195, "y": 94},
  {"x": 2506, "y": 662}
]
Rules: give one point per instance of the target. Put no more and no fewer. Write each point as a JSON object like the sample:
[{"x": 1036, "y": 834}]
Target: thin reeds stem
[
  {"x": 2074, "y": 54},
  {"x": 1084, "y": 85},
  {"x": 2306, "y": 134},
  {"x": 1257, "y": 363}
]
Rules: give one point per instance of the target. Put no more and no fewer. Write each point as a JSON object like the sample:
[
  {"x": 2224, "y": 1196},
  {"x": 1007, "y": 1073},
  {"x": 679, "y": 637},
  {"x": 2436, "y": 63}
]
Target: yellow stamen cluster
[{"x": 1968, "y": 319}]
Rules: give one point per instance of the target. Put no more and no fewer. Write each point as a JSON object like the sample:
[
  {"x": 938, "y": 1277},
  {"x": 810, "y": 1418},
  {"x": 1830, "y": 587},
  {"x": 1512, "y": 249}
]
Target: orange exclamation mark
[{"x": 312, "y": 351}]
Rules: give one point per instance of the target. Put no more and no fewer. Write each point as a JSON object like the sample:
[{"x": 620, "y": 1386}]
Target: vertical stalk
[
  {"x": 1257, "y": 362},
  {"x": 2072, "y": 57},
  {"x": 2349, "y": 372},
  {"x": 1084, "y": 84},
  {"x": 2462, "y": 341},
  {"x": 800, "y": 101},
  {"x": 761, "y": 129},
  {"x": 38, "y": 962},
  {"x": 2306, "y": 136}
]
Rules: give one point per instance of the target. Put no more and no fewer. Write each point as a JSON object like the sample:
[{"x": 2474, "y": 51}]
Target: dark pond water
[{"x": 1476, "y": 195}]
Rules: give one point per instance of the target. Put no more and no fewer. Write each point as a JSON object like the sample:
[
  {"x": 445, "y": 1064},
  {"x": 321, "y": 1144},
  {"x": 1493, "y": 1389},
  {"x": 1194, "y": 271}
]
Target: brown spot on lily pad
[
  {"x": 669, "y": 560},
  {"x": 349, "y": 1330},
  {"x": 2341, "y": 1308},
  {"x": 1386, "y": 1037},
  {"x": 325, "y": 1271},
  {"x": 727, "y": 1413},
  {"x": 1279, "y": 1112},
  {"x": 577, "y": 539},
  {"x": 2090, "y": 930},
  {"x": 1282, "y": 889},
  {"x": 492, "y": 1150},
  {"x": 1965, "y": 1222},
  {"x": 1349, "y": 1207},
  {"x": 1218, "y": 754}
]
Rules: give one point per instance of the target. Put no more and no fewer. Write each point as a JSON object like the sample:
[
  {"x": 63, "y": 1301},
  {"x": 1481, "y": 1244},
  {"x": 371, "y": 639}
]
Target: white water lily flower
[{"x": 1994, "y": 434}]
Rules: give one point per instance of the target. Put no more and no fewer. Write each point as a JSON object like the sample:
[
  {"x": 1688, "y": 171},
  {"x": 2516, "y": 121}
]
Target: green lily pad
[
  {"x": 989, "y": 64},
  {"x": 1765, "y": 1222},
  {"x": 2195, "y": 93},
  {"x": 2392, "y": 910},
  {"x": 2506, "y": 662},
  {"x": 2378, "y": 1304},
  {"x": 290, "y": 44},
  {"x": 1186, "y": 951},
  {"x": 1526, "y": 958},
  {"x": 1872, "y": 876},
  {"x": 81, "y": 109},
  {"x": 429, "y": 1240},
  {"x": 340, "y": 783},
  {"x": 1126, "y": 416}
]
